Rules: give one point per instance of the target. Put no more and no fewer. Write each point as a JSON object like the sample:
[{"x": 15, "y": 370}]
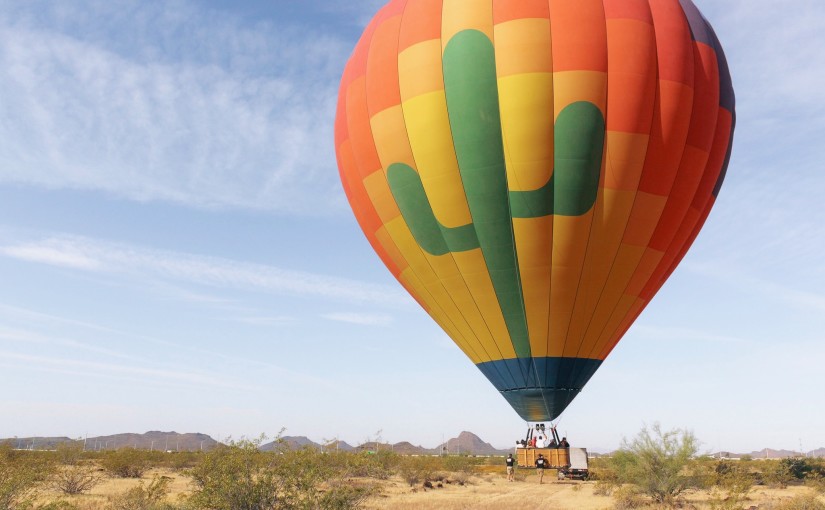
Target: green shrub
[
  {"x": 22, "y": 475},
  {"x": 241, "y": 477},
  {"x": 75, "y": 479},
  {"x": 658, "y": 463},
  {"x": 144, "y": 497},
  {"x": 126, "y": 463}
]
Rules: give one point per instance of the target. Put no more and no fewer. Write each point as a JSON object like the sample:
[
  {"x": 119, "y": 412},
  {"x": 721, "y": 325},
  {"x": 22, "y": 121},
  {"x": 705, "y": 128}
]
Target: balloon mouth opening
[{"x": 540, "y": 404}]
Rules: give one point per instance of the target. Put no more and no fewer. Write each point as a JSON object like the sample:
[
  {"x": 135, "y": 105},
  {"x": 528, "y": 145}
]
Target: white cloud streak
[
  {"x": 65, "y": 251},
  {"x": 359, "y": 318},
  {"x": 117, "y": 370},
  {"x": 175, "y": 103}
]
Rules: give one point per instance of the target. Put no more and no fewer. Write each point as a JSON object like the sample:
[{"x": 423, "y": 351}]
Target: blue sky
[{"x": 176, "y": 252}]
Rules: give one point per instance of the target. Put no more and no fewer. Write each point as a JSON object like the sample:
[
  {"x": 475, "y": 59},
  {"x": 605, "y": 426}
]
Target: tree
[
  {"x": 657, "y": 463},
  {"x": 22, "y": 474}
]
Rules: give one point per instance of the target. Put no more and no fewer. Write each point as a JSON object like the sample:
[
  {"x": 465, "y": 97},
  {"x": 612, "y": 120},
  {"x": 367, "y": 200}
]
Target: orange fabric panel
[
  {"x": 364, "y": 211},
  {"x": 579, "y": 35},
  {"x": 716, "y": 159},
  {"x": 643, "y": 219},
  {"x": 421, "y": 22},
  {"x": 628, "y": 9},
  {"x": 631, "y": 76},
  {"x": 646, "y": 266},
  {"x": 341, "y": 129},
  {"x": 509, "y": 10},
  {"x": 706, "y": 101},
  {"x": 382, "y": 67},
  {"x": 359, "y": 128},
  {"x": 673, "y": 39},
  {"x": 684, "y": 189},
  {"x": 668, "y": 133}
]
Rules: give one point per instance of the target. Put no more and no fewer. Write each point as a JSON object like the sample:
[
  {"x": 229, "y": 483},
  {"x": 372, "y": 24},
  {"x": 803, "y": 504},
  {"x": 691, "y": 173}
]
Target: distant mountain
[
  {"x": 291, "y": 442},
  {"x": 471, "y": 444},
  {"x": 36, "y": 443},
  {"x": 819, "y": 452},
  {"x": 152, "y": 440},
  {"x": 407, "y": 448},
  {"x": 769, "y": 453}
]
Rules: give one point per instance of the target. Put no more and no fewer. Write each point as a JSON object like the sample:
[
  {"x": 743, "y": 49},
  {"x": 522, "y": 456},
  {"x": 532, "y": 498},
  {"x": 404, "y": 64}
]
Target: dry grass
[{"x": 488, "y": 490}]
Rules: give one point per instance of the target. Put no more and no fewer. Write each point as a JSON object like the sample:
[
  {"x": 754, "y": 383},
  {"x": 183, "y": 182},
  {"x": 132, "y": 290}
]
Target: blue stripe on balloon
[{"x": 539, "y": 389}]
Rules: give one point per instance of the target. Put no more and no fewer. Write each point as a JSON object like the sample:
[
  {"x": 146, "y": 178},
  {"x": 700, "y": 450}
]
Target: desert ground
[{"x": 486, "y": 491}]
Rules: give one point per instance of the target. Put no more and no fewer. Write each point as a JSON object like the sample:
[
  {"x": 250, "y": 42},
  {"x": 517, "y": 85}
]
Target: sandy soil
[{"x": 484, "y": 492}]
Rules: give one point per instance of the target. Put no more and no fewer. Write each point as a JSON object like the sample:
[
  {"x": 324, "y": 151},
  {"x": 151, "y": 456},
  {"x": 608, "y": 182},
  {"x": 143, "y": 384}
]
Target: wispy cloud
[
  {"x": 364, "y": 319},
  {"x": 683, "y": 335},
  {"x": 64, "y": 251},
  {"x": 116, "y": 370},
  {"x": 795, "y": 295},
  {"x": 173, "y": 102}
]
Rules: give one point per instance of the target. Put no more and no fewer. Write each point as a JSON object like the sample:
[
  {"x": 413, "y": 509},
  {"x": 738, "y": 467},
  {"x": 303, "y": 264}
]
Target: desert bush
[
  {"x": 22, "y": 475},
  {"x": 460, "y": 464},
  {"x": 628, "y": 497},
  {"x": 658, "y": 463},
  {"x": 816, "y": 481},
  {"x": 241, "y": 477},
  {"x": 777, "y": 474},
  {"x": 125, "y": 463},
  {"x": 732, "y": 484},
  {"x": 144, "y": 497},
  {"x": 75, "y": 479},
  {"x": 415, "y": 470}
]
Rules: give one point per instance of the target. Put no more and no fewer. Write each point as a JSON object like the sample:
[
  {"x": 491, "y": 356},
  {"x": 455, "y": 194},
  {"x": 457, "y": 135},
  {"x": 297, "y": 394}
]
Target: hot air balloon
[{"x": 532, "y": 171}]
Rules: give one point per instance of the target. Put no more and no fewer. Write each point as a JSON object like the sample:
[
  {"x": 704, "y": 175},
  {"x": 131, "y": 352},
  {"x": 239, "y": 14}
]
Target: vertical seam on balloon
[
  {"x": 530, "y": 359},
  {"x": 552, "y": 175},
  {"x": 679, "y": 168},
  {"x": 435, "y": 301},
  {"x": 704, "y": 212},
  {"x": 589, "y": 353},
  {"x": 451, "y": 255},
  {"x": 592, "y": 213},
  {"x": 484, "y": 258}
]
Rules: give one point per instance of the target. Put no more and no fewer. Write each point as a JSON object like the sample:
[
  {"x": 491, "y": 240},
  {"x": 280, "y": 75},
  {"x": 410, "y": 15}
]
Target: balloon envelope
[{"x": 532, "y": 171}]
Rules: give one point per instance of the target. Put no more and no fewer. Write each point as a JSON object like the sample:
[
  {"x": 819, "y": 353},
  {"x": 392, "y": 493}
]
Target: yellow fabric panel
[
  {"x": 381, "y": 197},
  {"x": 572, "y": 86},
  {"x": 420, "y": 69},
  {"x": 606, "y": 232},
  {"x": 534, "y": 245},
  {"x": 570, "y": 235},
  {"x": 390, "y": 135},
  {"x": 523, "y": 46},
  {"x": 474, "y": 270},
  {"x": 411, "y": 282},
  {"x": 627, "y": 305},
  {"x": 627, "y": 258},
  {"x": 625, "y": 160},
  {"x": 458, "y": 15},
  {"x": 453, "y": 282},
  {"x": 526, "y": 103},
  {"x": 428, "y": 127},
  {"x": 420, "y": 265}
]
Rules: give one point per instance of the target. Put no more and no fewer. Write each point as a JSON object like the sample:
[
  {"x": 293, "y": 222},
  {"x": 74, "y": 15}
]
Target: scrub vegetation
[{"x": 655, "y": 469}]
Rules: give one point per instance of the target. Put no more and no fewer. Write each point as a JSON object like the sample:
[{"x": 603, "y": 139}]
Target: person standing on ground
[
  {"x": 541, "y": 463},
  {"x": 511, "y": 465}
]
